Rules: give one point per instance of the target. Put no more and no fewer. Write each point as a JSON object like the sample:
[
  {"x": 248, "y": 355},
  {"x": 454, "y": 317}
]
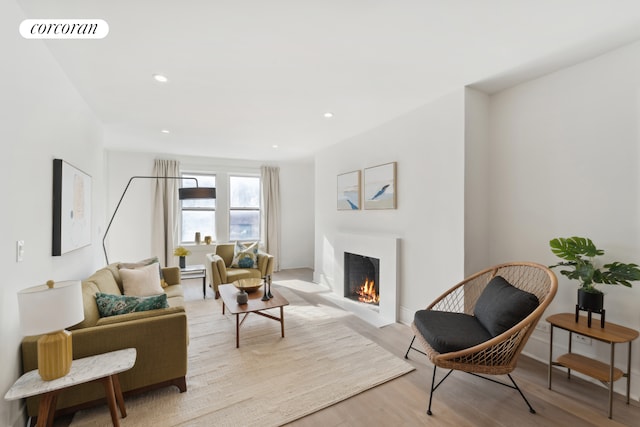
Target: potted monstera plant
[{"x": 579, "y": 255}]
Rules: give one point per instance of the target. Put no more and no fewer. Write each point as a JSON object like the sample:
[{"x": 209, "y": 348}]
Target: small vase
[
  {"x": 183, "y": 262},
  {"x": 242, "y": 297}
]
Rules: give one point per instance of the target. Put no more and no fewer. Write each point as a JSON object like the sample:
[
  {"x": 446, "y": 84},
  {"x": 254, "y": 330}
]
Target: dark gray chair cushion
[
  {"x": 501, "y": 306},
  {"x": 447, "y": 332}
]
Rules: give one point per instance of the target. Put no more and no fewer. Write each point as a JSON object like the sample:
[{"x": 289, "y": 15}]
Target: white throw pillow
[{"x": 141, "y": 282}]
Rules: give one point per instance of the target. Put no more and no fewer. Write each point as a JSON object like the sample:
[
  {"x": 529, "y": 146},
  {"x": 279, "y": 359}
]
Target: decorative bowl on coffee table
[{"x": 249, "y": 285}]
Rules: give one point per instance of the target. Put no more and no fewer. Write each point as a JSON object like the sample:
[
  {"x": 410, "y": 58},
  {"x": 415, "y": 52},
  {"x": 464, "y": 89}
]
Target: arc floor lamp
[{"x": 184, "y": 193}]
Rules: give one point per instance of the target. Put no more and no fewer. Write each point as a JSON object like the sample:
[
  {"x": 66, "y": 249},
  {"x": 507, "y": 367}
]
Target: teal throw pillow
[
  {"x": 112, "y": 305},
  {"x": 245, "y": 256}
]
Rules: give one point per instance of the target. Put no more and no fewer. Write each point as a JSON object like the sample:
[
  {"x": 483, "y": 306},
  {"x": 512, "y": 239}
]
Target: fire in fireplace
[{"x": 361, "y": 277}]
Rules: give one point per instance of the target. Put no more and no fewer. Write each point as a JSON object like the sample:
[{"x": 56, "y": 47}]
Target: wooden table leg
[
  {"x": 237, "y": 330},
  {"x": 118, "y": 392},
  {"x": 47, "y": 409},
  {"x": 628, "y": 372},
  {"x": 550, "y": 357},
  {"x": 613, "y": 346},
  {"x": 282, "y": 320},
  {"x": 111, "y": 400}
]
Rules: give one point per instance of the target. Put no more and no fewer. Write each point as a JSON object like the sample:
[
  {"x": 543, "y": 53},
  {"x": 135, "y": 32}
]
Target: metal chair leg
[
  {"x": 533, "y": 411},
  {"x": 411, "y": 347},
  {"x": 433, "y": 387},
  {"x": 406, "y": 355}
]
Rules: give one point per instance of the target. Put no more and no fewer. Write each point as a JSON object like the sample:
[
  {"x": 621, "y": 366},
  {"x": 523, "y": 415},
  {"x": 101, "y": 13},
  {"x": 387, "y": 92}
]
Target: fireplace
[
  {"x": 362, "y": 278},
  {"x": 379, "y": 261}
]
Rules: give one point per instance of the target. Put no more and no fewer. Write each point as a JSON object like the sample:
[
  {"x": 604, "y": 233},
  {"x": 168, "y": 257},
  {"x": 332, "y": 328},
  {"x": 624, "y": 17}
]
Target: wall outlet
[
  {"x": 582, "y": 339},
  {"x": 19, "y": 250},
  {"x": 542, "y": 327}
]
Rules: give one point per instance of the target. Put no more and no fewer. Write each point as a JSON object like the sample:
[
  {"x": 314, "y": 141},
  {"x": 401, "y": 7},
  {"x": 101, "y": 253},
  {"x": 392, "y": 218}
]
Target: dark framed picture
[{"x": 71, "y": 208}]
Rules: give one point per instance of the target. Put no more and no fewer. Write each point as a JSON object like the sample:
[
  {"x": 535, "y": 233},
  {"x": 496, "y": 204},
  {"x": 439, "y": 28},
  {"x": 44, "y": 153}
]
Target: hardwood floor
[{"x": 463, "y": 400}]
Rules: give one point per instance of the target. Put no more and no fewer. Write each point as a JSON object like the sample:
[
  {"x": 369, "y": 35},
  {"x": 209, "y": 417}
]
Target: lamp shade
[
  {"x": 196, "y": 193},
  {"x": 45, "y": 309}
]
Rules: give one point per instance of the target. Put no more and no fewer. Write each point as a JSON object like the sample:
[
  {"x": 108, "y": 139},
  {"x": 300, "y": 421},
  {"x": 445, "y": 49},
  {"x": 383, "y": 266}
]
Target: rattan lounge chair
[{"x": 481, "y": 325}]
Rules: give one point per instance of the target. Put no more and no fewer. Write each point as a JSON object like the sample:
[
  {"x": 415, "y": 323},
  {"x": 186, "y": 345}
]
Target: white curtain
[
  {"x": 270, "y": 178},
  {"x": 165, "y": 211}
]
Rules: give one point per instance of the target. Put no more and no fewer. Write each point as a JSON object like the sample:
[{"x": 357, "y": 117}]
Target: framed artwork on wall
[
  {"x": 71, "y": 208},
  {"x": 380, "y": 186},
  {"x": 349, "y": 191}
]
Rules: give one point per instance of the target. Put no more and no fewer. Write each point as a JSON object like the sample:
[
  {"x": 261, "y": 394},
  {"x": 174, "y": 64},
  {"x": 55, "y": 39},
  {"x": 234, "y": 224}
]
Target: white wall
[
  {"x": 485, "y": 179},
  {"x": 477, "y": 241},
  {"x": 298, "y": 212},
  {"x": 130, "y": 235},
  {"x": 42, "y": 117},
  {"x": 564, "y": 162},
  {"x": 428, "y": 146}
]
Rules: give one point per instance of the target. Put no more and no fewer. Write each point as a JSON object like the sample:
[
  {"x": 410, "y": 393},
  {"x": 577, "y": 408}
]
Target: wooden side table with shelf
[{"x": 605, "y": 372}]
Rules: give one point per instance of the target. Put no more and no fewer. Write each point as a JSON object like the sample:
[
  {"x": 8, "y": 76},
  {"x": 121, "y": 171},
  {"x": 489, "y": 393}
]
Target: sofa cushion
[
  {"x": 105, "y": 281},
  {"x": 142, "y": 281},
  {"x": 91, "y": 313},
  {"x": 447, "y": 332},
  {"x": 111, "y": 305},
  {"x": 501, "y": 306},
  {"x": 140, "y": 315},
  {"x": 144, "y": 263},
  {"x": 245, "y": 256},
  {"x": 174, "y": 291}
]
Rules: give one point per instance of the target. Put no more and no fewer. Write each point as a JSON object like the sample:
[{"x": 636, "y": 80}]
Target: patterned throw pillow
[
  {"x": 245, "y": 256},
  {"x": 112, "y": 305}
]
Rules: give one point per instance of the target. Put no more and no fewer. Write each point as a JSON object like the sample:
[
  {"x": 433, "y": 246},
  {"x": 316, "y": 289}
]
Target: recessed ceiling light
[
  {"x": 160, "y": 78},
  {"x": 165, "y": 131},
  {"x": 274, "y": 146},
  {"x": 328, "y": 115}
]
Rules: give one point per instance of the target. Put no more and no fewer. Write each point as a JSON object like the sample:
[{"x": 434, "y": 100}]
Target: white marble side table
[{"x": 103, "y": 367}]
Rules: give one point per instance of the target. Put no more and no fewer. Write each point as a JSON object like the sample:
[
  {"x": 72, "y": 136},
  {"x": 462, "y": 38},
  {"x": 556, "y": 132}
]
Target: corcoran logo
[{"x": 64, "y": 28}]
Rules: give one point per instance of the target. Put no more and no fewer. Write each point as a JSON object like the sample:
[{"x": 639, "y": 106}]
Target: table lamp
[{"x": 49, "y": 309}]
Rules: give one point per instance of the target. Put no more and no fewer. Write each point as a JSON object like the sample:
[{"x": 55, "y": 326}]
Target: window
[
  {"x": 244, "y": 208},
  {"x": 198, "y": 215}
]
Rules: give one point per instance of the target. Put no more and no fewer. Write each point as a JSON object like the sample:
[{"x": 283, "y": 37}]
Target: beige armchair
[{"x": 220, "y": 270}]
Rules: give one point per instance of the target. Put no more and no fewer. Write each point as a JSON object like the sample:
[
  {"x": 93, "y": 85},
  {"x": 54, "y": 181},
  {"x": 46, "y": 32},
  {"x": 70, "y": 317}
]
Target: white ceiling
[{"x": 245, "y": 75}]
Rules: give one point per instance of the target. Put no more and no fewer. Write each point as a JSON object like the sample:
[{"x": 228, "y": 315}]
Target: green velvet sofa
[{"x": 160, "y": 337}]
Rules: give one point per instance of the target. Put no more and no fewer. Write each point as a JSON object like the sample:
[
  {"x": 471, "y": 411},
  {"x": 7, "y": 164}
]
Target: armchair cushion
[
  {"x": 448, "y": 332},
  {"x": 501, "y": 306}
]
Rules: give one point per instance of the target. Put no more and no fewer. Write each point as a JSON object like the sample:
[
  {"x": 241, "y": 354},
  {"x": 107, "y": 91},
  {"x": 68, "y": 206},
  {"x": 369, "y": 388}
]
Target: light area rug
[{"x": 269, "y": 380}]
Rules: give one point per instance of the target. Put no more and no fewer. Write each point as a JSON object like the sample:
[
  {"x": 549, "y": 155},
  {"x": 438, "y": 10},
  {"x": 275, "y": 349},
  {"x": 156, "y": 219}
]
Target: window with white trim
[
  {"x": 244, "y": 207},
  {"x": 197, "y": 215}
]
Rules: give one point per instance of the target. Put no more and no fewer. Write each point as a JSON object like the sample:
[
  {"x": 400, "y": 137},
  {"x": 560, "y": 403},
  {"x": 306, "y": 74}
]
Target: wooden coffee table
[{"x": 254, "y": 305}]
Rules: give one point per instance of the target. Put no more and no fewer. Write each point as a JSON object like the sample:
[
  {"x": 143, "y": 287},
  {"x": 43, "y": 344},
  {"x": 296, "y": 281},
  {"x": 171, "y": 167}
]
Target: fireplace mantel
[{"x": 383, "y": 247}]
